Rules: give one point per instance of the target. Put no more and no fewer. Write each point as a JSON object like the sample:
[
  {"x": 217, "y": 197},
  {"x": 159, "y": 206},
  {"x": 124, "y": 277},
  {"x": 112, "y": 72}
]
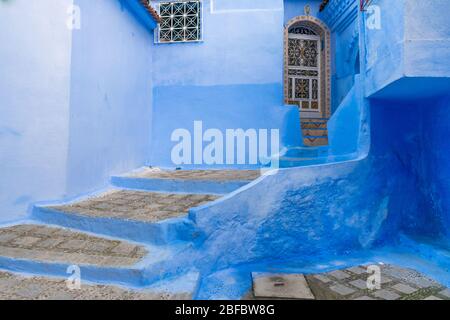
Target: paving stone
[
  {"x": 322, "y": 278},
  {"x": 24, "y": 228},
  {"x": 49, "y": 243},
  {"x": 73, "y": 244},
  {"x": 7, "y": 237},
  {"x": 445, "y": 293},
  {"x": 357, "y": 270},
  {"x": 25, "y": 241},
  {"x": 99, "y": 246},
  {"x": 342, "y": 290},
  {"x": 42, "y": 288},
  {"x": 44, "y": 231},
  {"x": 422, "y": 282},
  {"x": 340, "y": 275},
  {"x": 220, "y": 175},
  {"x": 8, "y": 283},
  {"x": 288, "y": 286},
  {"x": 360, "y": 284},
  {"x": 124, "y": 249},
  {"x": 29, "y": 290},
  {"x": 404, "y": 288},
  {"x": 385, "y": 279},
  {"x": 386, "y": 295},
  {"x": 66, "y": 246},
  {"x": 364, "y": 298},
  {"x": 408, "y": 276},
  {"x": 137, "y": 205},
  {"x": 399, "y": 283}
]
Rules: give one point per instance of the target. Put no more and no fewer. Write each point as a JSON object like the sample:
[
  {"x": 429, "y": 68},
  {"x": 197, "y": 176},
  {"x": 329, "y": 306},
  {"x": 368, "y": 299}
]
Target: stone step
[
  {"x": 315, "y": 141},
  {"x": 314, "y": 120},
  {"x": 314, "y": 125},
  {"x": 50, "y": 250},
  {"x": 187, "y": 181},
  {"x": 149, "y": 217},
  {"x": 20, "y": 287},
  {"x": 315, "y": 132}
]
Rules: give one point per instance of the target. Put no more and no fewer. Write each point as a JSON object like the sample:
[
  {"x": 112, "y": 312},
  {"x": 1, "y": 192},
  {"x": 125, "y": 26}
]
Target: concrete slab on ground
[{"x": 284, "y": 286}]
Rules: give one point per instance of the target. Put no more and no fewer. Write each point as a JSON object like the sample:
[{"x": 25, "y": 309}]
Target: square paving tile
[
  {"x": 339, "y": 274},
  {"x": 342, "y": 289},
  {"x": 286, "y": 286},
  {"x": 404, "y": 288},
  {"x": 386, "y": 295}
]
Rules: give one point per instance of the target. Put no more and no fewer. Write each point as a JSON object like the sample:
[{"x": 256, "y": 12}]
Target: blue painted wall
[
  {"x": 233, "y": 79},
  {"x": 345, "y": 125},
  {"x": 400, "y": 185},
  {"x": 111, "y": 94},
  {"x": 294, "y": 8},
  {"x": 418, "y": 48},
  {"x": 320, "y": 212},
  {"x": 436, "y": 151},
  {"x": 75, "y": 105},
  {"x": 341, "y": 18},
  {"x": 34, "y": 103}
]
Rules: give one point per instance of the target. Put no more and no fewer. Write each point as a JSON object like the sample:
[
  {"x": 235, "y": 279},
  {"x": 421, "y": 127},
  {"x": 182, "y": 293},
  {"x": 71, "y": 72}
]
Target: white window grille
[{"x": 181, "y": 21}]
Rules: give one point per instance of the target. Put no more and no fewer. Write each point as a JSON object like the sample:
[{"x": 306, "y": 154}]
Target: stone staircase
[
  {"x": 315, "y": 132},
  {"x": 125, "y": 240}
]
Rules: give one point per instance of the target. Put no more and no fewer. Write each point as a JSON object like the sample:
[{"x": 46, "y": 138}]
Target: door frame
[{"x": 324, "y": 33}]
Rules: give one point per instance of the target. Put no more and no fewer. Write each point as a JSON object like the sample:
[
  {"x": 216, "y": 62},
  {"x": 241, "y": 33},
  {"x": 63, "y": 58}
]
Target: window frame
[{"x": 157, "y": 31}]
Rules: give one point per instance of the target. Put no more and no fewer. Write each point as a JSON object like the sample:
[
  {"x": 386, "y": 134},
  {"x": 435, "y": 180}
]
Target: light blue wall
[
  {"x": 427, "y": 38},
  {"x": 294, "y": 8},
  {"x": 111, "y": 94},
  {"x": 233, "y": 79},
  {"x": 75, "y": 106},
  {"x": 341, "y": 18},
  {"x": 35, "y": 47},
  {"x": 344, "y": 126},
  {"x": 384, "y": 47},
  {"x": 418, "y": 48},
  {"x": 346, "y": 61}
]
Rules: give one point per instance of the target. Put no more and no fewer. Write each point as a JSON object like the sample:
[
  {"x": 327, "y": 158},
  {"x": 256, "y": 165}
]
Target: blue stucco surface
[
  {"x": 75, "y": 104},
  {"x": 34, "y": 103},
  {"x": 111, "y": 93}
]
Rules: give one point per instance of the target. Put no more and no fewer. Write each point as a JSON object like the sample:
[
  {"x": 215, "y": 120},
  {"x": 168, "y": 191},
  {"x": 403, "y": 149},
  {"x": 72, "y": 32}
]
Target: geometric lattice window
[{"x": 181, "y": 21}]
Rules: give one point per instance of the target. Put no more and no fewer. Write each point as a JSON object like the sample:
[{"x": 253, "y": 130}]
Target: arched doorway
[{"x": 307, "y": 80}]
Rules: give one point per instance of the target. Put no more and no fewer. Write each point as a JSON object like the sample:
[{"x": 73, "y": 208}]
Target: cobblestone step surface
[
  {"x": 186, "y": 181},
  {"x": 137, "y": 205},
  {"x": 18, "y": 287},
  {"x": 209, "y": 175},
  {"x": 59, "y": 245}
]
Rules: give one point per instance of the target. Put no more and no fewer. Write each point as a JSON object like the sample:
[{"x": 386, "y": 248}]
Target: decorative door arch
[{"x": 307, "y": 78}]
